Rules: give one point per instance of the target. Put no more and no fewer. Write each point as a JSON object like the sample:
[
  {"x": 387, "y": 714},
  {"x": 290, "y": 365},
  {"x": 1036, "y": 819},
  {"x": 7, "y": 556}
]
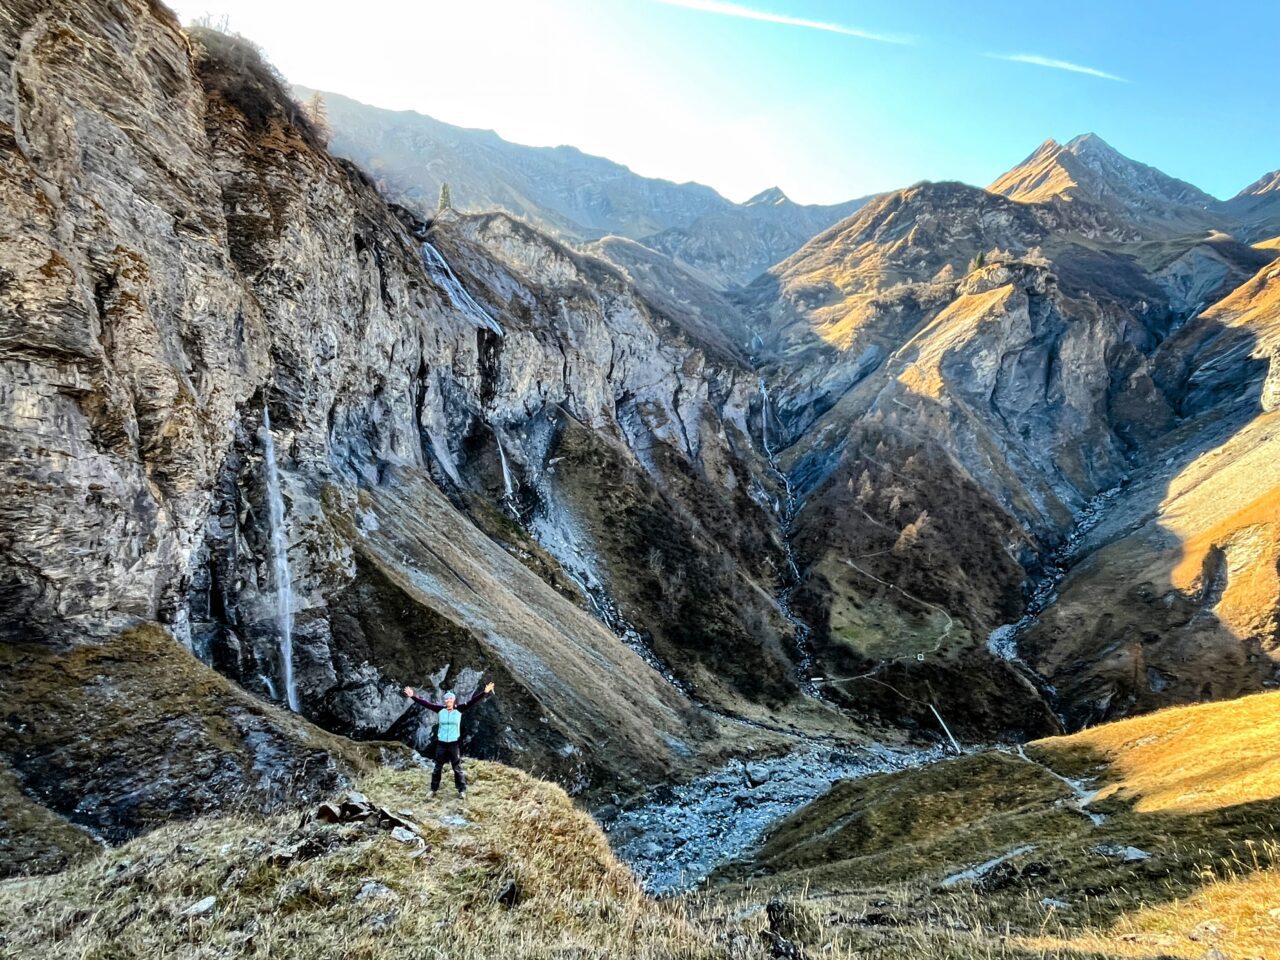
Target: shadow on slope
[
  {"x": 103, "y": 742},
  {"x": 1178, "y": 595}
]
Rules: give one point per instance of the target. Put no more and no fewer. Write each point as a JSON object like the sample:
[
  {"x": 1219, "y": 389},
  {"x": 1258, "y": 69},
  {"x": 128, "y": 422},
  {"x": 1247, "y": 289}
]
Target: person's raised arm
[
  {"x": 477, "y": 697},
  {"x": 429, "y": 704}
]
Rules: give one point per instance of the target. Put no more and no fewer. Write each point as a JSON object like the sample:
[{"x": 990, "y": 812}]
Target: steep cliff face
[
  {"x": 1176, "y": 596},
  {"x": 334, "y": 450}
]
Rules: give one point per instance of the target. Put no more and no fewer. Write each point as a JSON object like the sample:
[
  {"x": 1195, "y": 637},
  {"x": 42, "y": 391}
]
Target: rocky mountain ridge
[
  {"x": 574, "y": 195},
  {"x": 1128, "y": 200}
]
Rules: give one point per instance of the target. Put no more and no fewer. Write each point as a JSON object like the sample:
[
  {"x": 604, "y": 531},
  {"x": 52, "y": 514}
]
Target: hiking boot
[{"x": 462, "y": 794}]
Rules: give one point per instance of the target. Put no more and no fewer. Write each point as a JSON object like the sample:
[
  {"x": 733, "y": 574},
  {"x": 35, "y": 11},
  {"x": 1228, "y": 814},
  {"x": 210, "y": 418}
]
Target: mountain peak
[
  {"x": 1092, "y": 143},
  {"x": 770, "y": 197},
  {"x": 1267, "y": 183},
  {"x": 1124, "y": 192}
]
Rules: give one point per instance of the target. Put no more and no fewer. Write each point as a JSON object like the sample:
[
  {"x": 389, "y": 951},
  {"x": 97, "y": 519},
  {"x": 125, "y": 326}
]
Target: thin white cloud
[
  {"x": 1040, "y": 61},
  {"x": 723, "y": 9}
]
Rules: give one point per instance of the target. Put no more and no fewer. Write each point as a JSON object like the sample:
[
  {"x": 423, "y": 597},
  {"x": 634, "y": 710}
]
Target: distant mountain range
[
  {"x": 1097, "y": 192},
  {"x": 572, "y": 194}
]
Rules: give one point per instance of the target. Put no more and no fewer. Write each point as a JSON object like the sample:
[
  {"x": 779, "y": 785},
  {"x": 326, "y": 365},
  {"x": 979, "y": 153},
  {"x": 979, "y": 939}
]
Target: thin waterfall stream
[
  {"x": 279, "y": 562},
  {"x": 787, "y": 509},
  {"x": 508, "y": 487}
]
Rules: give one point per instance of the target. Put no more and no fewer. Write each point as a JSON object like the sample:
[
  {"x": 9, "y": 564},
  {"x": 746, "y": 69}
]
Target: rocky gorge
[{"x": 276, "y": 444}]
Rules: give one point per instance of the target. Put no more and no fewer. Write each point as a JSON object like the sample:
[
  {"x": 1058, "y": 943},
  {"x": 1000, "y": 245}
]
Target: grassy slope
[
  {"x": 575, "y": 898},
  {"x": 1198, "y": 788}
]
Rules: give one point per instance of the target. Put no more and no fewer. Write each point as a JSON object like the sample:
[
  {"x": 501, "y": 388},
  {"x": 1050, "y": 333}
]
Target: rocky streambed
[{"x": 675, "y": 836}]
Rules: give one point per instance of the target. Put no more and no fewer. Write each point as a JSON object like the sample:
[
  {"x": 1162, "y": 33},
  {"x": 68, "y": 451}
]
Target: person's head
[{"x": 450, "y": 699}]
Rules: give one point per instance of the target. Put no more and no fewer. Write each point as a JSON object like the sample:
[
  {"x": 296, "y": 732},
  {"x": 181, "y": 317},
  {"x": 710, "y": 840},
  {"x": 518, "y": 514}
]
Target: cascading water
[
  {"x": 508, "y": 487},
  {"x": 280, "y": 562},
  {"x": 443, "y": 274},
  {"x": 1002, "y": 642},
  {"x": 786, "y": 510},
  {"x": 764, "y": 419}
]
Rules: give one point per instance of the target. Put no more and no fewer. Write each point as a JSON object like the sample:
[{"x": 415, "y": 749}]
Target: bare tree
[{"x": 317, "y": 112}]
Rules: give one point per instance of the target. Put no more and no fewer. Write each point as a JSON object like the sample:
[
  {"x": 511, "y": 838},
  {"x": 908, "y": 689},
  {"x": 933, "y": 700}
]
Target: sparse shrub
[{"x": 233, "y": 67}]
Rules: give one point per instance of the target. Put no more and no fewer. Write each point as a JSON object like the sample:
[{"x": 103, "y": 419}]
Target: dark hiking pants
[{"x": 450, "y": 753}]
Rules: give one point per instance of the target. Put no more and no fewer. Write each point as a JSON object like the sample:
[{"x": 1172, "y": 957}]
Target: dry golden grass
[
  {"x": 576, "y": 900},
  {"x": 1236, "y": 913},
  {"x": 1188, "y": 759}
]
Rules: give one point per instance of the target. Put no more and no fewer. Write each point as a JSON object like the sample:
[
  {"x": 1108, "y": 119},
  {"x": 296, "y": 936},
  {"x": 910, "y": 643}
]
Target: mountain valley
[{"x": 801, "y": 519}]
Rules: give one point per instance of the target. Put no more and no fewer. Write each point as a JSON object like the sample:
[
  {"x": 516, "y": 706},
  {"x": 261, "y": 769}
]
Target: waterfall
[
  {"x": 443, "y": 274},
  {"x": 764, "y": 418},
  {"x": 280, "y": 561},
  {"x": 1003, "y": 641},
  {"x": 787, "y": 510},
  {"x": 508, "y": 487}
]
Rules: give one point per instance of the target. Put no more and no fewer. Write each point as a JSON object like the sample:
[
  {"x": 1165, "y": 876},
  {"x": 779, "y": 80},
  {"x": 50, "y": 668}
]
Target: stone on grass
[
  {"x": 375, "y": 890},
  {"x": 201, "y": 908}
]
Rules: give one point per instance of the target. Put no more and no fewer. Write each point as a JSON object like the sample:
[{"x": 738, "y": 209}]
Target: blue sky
[{"x": 828, "y": 100}]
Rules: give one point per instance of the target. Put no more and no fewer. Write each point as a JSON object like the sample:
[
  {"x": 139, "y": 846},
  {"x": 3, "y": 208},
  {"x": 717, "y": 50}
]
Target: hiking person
[{"x": 449, "y": 734}]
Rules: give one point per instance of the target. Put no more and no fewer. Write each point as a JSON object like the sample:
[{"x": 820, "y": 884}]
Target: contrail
[
  {"x": 1040, "y": 61},
  {"x": 746, "y": 13}
]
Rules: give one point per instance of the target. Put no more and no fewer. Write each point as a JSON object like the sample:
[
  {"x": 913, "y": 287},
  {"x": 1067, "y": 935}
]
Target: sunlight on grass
[
  {"x": 1236, "y": 913},
  {"x": 1189, "y": 759}
]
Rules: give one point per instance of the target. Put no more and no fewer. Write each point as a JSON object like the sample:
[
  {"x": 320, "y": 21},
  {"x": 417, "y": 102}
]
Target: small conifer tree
[{"x": 318, "y": 113}]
